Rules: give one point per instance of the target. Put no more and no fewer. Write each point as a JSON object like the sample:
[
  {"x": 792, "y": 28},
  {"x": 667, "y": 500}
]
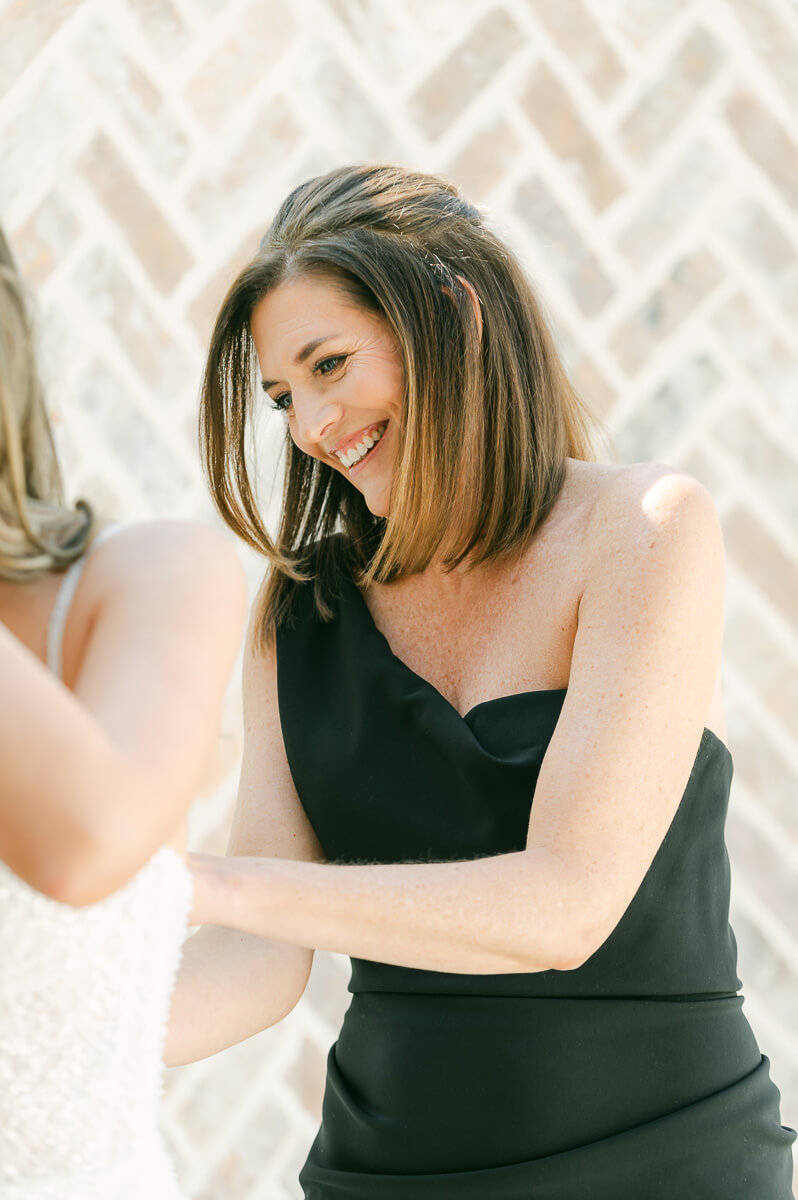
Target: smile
[{"x": 355, "y": 454}]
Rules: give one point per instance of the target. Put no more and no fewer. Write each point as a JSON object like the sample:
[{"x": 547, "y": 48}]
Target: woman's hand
[{"x": 645, "y": 658}]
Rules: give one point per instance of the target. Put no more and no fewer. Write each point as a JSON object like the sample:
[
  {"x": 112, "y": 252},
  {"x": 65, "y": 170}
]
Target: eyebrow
[{"x": 304, "y": 353}]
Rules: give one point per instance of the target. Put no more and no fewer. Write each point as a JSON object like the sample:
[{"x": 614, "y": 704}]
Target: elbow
[
  {"x": 85, "y": 871},
  {"x": 583, "y": 946},
  {"x": 296, "y": 980}
]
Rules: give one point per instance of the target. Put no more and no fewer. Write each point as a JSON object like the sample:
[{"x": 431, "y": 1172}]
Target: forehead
[{"x": 300, "y": 310}]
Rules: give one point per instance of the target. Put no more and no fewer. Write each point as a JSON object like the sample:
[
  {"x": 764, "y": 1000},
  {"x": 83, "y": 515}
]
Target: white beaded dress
[{"x": 84, "y": 999}]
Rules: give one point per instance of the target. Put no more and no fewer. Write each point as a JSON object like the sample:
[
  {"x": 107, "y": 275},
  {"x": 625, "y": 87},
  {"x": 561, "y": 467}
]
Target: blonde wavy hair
[{"x": 38, "y": 531}]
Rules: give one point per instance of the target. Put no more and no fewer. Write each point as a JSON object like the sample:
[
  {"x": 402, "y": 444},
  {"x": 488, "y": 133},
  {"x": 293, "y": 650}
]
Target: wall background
[{"x": 642, "y": 155}]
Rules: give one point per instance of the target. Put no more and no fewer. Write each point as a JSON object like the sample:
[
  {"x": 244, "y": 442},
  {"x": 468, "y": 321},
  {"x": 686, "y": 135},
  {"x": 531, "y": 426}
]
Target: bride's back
[{"x": 93, "y": 901}]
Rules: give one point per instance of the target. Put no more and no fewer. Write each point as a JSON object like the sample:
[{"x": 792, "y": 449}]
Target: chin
[{"x": 378, "y": 503}]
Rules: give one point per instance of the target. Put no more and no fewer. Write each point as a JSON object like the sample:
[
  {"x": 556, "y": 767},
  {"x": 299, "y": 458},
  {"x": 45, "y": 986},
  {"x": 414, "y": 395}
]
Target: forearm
[
  {"x": 230, "y": 986},
  {"x": 510, "y": 913},
  {"x": 53, "y": 757},
  {"x": 70, "y": 802}
]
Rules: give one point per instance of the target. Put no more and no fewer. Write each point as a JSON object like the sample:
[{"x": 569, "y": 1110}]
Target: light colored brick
[
  {"x": 117, "y": 305},
  {"x": 642, "y": 21},
  {"x": 241, "y": 1168},
  {"x": 666, "y": 104},
  {"x": 776, "y": 885},
  {"x": 767, "y": 774},
  {"x": 696, "y": 462},
  {"x": 770, "y": 37},
  {"x": 772, "y": 364},
  {"x": 377, "y": 30},
  {"x": 25, "y": 29},
  {"x": 768, "y": 248},
  {"x": 685, "y": 188},
  {"x": 232, "y": 70},
  {"x": 666, "y": 414},
  {"x": 756, "y": 553},
  {"x": 207, "y": 302},
  {"x": 592, "y": 385},
  {"x": 764, "y": 970},
  {"x": 482, "y": 163},
  {"x": 760, "y": 660},
  {"x": 560, "y": 243},
  {"x": 163, "y": 26},
  {"x": 772, "y": 468},
  {"x": 135, "y": 97},
  {"x": 554, "y": 114},
  {"x": 581, "y": 39},
  {"x": 102, "y": 398},
  {"x": 274, "y": 134},
  {"x": 669, "y": 305},
  {"x": 336, "y": 90},
  {"x": 38, "y": 139},
  {"x": 45, "y": 238},
  {"x": 471, "y": 65},
  {"x": 436, "y": 21},
  {"x": 158, "y": 246},
  {"x": 767, "y": 142}
]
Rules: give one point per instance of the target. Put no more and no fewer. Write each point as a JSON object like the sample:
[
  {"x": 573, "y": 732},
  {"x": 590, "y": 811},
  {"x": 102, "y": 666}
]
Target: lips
[
  {"x": 353, "y": 450},
  {"x": 353, "y": 439}
]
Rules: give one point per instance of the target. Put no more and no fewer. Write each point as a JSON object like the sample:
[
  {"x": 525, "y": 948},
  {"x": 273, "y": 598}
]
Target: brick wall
[{"x": 642, "y": 157}]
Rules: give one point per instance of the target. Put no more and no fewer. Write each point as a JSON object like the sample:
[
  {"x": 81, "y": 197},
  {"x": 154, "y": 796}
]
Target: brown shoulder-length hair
[
  {"x": 488, "y": 420},
  {"x": 38, "y": 531}
]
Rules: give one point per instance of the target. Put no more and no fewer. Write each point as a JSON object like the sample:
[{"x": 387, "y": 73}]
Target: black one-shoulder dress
[{"x": 634, "y": 1077}]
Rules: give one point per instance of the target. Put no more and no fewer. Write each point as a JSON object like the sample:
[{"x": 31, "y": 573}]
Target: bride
[{"x": 115, "y": 649}]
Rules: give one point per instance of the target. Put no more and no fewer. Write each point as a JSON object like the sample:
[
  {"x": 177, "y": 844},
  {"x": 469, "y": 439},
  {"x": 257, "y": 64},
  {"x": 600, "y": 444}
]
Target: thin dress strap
[{"x": 63, "y": 602}]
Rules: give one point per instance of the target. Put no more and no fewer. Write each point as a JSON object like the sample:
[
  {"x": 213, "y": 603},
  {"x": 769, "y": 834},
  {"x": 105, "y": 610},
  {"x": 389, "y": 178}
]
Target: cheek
[{"x": 305, "y": 447}]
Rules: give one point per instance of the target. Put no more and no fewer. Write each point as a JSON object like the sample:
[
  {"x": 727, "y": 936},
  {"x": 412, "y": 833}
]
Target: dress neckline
[{"x": 707, "y": 735}]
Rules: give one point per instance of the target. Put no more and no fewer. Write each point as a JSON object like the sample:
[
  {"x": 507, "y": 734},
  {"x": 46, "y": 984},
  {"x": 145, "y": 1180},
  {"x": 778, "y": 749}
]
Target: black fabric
[{"x": 634, "y": 1076}]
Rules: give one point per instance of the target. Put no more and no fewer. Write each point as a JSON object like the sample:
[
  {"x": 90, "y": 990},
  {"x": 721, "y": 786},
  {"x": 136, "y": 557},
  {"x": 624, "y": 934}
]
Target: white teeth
[{"x": 355, "y": 453}]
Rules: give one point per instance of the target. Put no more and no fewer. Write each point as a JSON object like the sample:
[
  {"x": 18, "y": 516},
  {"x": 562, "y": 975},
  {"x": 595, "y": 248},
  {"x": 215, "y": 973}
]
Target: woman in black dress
[{"x": 466, "y": 613}]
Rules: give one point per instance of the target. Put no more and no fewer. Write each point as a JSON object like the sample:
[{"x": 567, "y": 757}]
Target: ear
[{"x": 475, "y": 301}]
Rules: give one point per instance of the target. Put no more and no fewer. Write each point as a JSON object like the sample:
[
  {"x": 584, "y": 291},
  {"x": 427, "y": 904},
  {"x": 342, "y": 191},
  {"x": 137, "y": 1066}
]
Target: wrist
[{"x": 207, "y": 902}]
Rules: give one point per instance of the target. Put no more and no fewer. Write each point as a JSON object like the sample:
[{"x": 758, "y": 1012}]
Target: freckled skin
[
  {"x": 442, "y": 624},
  {"x": 366, "y": 388},
  {"x": 616, "y": 599}
]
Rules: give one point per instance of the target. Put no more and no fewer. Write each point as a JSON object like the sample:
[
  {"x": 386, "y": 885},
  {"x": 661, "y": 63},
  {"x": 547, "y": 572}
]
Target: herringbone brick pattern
[{"x": 643, "y": 158}]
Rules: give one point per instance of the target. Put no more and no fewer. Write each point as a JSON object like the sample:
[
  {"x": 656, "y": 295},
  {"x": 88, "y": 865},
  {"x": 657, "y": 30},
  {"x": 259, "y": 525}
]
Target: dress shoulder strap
[{"x": 63, "y": 601}]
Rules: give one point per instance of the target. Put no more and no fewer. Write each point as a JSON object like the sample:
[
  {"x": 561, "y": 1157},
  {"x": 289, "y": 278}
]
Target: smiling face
[{"x": 335, "y": 370}]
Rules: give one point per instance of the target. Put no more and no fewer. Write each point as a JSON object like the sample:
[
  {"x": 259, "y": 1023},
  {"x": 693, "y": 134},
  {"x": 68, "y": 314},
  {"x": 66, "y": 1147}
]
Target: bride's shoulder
[
  {"x": 131, "y": 554},
  {"x": 151, "y": 566}
]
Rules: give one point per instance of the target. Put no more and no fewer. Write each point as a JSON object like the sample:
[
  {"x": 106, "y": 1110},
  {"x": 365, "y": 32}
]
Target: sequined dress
[{"x": 84, "y": 998}]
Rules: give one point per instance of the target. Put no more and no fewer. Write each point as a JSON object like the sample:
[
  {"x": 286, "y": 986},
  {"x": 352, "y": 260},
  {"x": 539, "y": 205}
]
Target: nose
[{"x": 314, "y": 417}]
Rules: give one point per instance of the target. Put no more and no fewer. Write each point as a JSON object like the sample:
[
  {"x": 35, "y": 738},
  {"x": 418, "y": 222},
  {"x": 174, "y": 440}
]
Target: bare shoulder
[
  {"x": 649, "y": 506},
  {"x": 184, "y": 556}
]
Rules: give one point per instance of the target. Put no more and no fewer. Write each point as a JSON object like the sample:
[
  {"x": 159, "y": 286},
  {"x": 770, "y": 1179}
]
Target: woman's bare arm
[
  {"x": 645, "y": 660},
  {"x": 231, "y": 985},
  {"x": 95, "y": 779}
]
